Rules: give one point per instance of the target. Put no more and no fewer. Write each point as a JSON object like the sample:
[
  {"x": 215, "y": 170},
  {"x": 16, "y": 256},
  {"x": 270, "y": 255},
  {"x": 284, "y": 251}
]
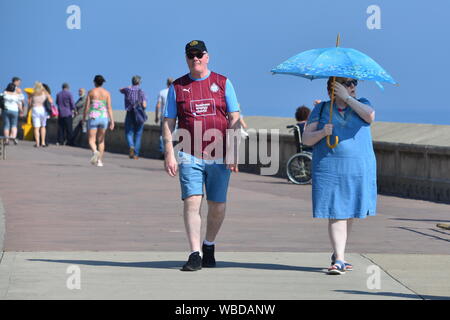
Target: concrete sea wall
[{"x": 413, "y": 160}]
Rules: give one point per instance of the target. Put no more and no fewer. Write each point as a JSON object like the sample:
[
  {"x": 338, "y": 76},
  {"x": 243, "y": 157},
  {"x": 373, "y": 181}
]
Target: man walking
[
  {"x": 77, "y": 122},
  {"x": 134, "y": 98},
  {"x": 17, "y": 82},
  {"x": 205, "y": 104},
  {"x": 66, "y": 106},
  {"x": 160, "y": 111}
]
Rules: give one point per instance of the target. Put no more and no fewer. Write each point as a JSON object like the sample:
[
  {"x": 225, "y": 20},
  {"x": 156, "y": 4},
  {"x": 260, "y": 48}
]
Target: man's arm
[
  {"x": 72, "y": 104},
  {"x": 233, "y": 140},
  {"x": 144, "y": 99},
  {"x": 170, "y": 162},
  {"x": 157, "y": 111}
]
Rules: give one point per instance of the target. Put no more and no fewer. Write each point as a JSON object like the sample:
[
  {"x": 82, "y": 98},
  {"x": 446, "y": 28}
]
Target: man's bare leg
[
  {"x": 193, "y": 221},
  {"x": 216, "y": 215}
]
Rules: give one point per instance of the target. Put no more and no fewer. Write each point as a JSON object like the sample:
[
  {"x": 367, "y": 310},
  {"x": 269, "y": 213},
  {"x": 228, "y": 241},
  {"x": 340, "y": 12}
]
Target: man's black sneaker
[
  {"x": 208, "y": 256},
  {"x": 194, "y": 262}
]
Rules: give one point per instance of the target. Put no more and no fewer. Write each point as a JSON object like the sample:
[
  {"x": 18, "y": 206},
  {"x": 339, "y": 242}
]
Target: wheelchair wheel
[{"x": 298, "y": 168}]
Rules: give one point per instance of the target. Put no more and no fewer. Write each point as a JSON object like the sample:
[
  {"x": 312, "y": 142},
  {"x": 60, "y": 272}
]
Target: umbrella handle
[
  {"x": 336, "y": 138},
  {"x": 336, "y": 141}
]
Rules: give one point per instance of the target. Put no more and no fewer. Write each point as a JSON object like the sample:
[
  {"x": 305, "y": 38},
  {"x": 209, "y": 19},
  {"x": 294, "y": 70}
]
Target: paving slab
[
  {"x": 426, "y": 275},
  {"x": 156, "y": 275}
]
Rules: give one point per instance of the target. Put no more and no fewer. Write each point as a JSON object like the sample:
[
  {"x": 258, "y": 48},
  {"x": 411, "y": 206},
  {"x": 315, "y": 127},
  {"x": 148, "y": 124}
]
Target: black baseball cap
[{"x": 196, "y": 45}]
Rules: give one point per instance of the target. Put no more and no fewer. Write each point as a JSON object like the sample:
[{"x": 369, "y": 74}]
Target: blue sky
[{"x": 245, "y": 39}]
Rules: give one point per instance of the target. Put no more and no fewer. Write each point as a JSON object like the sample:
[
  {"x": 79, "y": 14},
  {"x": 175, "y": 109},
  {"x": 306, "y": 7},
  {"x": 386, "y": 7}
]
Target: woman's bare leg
[
  {"x": 43, "y": 134},
  {"x": 92, "y": 136},
  {"x": 37, "y": 135},
  {"x": 13, "y": 133},
  {"x": 337, "y": 230},
  {"x": 101, "y": 142}
]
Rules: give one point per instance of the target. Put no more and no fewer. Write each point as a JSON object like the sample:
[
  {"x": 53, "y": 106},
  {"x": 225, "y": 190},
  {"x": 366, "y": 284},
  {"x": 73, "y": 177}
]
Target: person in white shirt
[
  {"x": 160, "y": 109},
  {"x": 13, "y": 108}
]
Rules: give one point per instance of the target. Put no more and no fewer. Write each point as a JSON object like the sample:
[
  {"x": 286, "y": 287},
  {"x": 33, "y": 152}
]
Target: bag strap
[
  {"x": 139, "y": 102},
  {"x": 322, "y": 105}
]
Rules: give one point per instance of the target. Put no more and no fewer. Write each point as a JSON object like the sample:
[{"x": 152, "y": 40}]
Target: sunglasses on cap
[
  {"x": 192, "y": 55},
  {"x": 350, "y": 82}
]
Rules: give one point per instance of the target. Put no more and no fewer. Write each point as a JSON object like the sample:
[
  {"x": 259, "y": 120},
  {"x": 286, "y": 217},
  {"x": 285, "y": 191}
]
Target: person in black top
[{"x": 301, "y": 115}]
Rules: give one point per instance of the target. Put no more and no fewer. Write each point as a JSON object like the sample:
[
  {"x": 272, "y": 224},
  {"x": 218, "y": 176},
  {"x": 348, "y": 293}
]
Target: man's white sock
[{"x": 208, "y": 243}]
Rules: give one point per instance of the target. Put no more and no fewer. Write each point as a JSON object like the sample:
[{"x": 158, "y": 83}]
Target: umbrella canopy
[
  {"x": 338, "y": 62},
  {"x": 334, "y": 62}
]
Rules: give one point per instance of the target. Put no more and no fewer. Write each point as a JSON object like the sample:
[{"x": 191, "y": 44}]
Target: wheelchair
[{"x": 298, "y": 167}]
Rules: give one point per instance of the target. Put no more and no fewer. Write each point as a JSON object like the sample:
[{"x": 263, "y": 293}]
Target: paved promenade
[{"x": 121, "y": 225}]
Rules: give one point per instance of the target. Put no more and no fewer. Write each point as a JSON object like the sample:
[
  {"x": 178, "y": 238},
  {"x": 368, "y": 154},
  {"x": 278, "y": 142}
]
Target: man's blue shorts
[{"x": 194, "y": 173}]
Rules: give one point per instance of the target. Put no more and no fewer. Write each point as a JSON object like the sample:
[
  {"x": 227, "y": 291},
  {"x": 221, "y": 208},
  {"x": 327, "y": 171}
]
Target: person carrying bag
[{"x": 135, "y": 104}]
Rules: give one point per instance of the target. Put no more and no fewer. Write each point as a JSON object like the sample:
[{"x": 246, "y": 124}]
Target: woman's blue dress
[{"x": 344, "y": 178}]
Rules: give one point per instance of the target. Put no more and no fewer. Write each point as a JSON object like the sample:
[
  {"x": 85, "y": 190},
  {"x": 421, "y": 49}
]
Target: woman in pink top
[{"x": 98, "y": 112}]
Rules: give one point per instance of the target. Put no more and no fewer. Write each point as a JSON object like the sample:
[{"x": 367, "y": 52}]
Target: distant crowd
[{"x": 86, "y": 118}]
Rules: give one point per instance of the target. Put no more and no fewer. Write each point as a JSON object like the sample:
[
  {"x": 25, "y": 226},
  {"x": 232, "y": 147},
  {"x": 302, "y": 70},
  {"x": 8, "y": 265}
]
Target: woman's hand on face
[{"x": 340, "y": 91}]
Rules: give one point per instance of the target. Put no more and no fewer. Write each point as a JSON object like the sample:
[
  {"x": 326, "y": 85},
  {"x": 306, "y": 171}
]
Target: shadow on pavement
[
  {"x": 178, "y": 264},
  {"x": 143, "y": 168},
  {"x": 60, "y": 165},
  {"x": 423, "y": 234},
  {"x": 393, "y": 294},
  {"x": 422, "y": 220}
]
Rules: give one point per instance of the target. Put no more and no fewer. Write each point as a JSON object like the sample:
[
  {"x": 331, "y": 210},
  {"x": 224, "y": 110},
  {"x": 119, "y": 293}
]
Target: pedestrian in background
[
  {"x": 134, "y": 98},
  {"x": 66, "y": 107},
  {"x": 98, "y": 114},
  {"x": 17, "y": 82},
  {"x": 39, "y": 115},
  {"x": 12, "y": 108},
  {"x": 77, "y": 123},
  {"x": 301, "y": 115},
  {"x": 160, "y": 110}
]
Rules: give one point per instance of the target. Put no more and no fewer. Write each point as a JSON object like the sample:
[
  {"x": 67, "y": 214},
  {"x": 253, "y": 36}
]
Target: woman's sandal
[
  {"x": 337, "y": 268},
  {"x": 348, "y": 266}
]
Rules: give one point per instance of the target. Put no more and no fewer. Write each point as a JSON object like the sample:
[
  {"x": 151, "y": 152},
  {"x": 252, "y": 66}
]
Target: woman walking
[
  {"x": 39, "y": 115},
  {"x": 98, "y": 110},
  {"x": 13, "y": 107},
  {"x": 344, "y": 178}
]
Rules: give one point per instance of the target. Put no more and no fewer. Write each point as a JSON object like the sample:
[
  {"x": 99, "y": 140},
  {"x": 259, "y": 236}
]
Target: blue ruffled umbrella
[{"x": 334, "y": 62}]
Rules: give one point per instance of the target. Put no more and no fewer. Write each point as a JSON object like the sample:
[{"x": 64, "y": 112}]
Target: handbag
[
  {"x": 54, "y": 111},
  {"x": 139, "y": 114}
]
